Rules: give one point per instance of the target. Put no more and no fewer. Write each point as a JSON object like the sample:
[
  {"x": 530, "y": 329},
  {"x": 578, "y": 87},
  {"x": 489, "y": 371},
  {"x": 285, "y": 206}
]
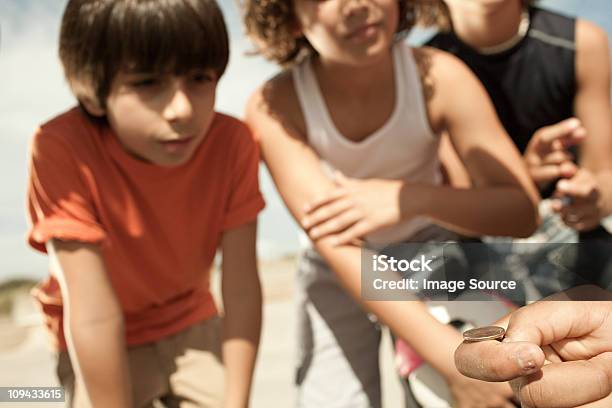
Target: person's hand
[
  {"x": 556, "y": 353},
  {"x": 468, "y": 393},
  {"x": 353, "y": 209},
  {"x": 584, "y": 207},
  {"x": 547, "y": 156}
]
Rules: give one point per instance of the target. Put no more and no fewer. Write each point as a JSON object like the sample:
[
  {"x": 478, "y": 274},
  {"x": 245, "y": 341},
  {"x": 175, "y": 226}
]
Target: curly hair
[{"x": 270, "y": 24}]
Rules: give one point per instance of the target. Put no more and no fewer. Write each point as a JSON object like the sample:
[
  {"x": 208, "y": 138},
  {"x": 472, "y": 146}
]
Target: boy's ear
[{"x": 92, "y": 106}]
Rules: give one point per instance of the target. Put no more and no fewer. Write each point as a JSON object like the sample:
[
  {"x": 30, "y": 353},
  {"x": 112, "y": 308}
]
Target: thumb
[{"x": 495, "y": 361}]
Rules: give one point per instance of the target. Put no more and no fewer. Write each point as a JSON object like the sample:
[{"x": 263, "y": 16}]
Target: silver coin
[{"x": 484, "y": 333}]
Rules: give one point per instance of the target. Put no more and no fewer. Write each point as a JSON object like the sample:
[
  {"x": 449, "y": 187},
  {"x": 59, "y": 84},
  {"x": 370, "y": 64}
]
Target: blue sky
[{"x": 33, "y": 90}]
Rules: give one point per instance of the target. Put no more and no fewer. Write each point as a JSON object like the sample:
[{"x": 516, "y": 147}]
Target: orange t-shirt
[{"x": 158, "y": 227}]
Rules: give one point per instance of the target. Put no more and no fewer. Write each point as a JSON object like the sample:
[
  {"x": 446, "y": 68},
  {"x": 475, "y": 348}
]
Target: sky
[{"x": 32, "y": 90}]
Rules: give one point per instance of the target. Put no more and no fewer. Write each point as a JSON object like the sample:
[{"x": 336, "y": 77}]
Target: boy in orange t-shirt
[{"x": 131, "y": 194}]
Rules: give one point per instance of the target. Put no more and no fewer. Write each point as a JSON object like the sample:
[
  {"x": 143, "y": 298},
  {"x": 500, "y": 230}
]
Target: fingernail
[
  {"x": 526, "y": 360},
  {"x": 563, "y": 185},
  {"x": 305, "y": 222},
  {"x": 573, "y": 123},
  {"x": 314, "y": 233}
]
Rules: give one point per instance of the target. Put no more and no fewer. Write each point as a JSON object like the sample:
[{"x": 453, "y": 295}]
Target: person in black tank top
[
  {"x": 533, "y": 83},
  {"x": 541, "y": 69}
]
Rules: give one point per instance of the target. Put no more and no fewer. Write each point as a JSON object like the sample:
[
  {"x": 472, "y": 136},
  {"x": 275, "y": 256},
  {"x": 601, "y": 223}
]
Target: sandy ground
[{"x": 26, "y": 361}]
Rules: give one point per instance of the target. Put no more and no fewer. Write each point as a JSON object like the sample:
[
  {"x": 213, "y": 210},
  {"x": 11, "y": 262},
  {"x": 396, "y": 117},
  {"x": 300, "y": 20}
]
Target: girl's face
[{"x": 350, "y": 32}]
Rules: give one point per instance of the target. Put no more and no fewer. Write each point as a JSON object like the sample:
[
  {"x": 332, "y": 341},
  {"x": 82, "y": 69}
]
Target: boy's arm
[
  {"x": 93, "y": 323},
  {"x": 500, "y": 181},
  {"x": 241, "y": 292},
  {"x": 591, "y": 187}
]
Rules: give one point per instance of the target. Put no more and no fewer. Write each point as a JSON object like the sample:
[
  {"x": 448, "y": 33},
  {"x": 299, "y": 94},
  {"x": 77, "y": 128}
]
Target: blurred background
[{"x": 32, "y": 90}]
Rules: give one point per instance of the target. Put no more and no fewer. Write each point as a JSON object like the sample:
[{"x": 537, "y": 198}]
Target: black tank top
[{"x": 533, "y": 84}]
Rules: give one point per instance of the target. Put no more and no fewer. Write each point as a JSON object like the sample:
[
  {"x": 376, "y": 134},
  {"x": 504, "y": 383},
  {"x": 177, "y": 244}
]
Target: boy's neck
[
  {"x": 355, "y": 81},
  {"x": 486, "y": 26}
]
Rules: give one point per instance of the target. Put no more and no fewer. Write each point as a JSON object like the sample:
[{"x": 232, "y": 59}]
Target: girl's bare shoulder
[{"x": 277, "y": 100}]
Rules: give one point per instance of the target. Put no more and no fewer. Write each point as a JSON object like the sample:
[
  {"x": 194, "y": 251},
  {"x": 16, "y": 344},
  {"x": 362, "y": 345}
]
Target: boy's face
[
  {"x": 479, "y": 5},
  {"x": 161, "y": 119},
  {"x": 348, "y": 31}
]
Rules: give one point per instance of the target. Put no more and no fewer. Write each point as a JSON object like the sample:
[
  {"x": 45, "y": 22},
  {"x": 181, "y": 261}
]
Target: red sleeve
[
  {"x": 59, "y": 202},
  {"x": 245, "y": 200}
]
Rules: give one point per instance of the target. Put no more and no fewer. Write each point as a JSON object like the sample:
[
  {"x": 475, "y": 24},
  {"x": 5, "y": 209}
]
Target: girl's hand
[{"x": 353, "y": 209}]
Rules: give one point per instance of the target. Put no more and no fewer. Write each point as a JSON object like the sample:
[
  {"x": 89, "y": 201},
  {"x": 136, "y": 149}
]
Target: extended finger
[
  {"x": 355, "y": 232},
  {"x": 567, "y": 384},
  {"x": 563, "y": 129},
  {"x": 335, "y": 224},
  {"x": 557, "y": 157},
  {"x": 326, "y": 212},
  {"x": 546, "y": 173},
  {"x": 498, "y": 361},
  {"x": 326, "y": 198},
  {"x": 547, "y": 322}
]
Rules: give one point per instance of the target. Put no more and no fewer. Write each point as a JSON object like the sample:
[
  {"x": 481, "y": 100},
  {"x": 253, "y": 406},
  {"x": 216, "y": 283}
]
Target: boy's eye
[
  {"x": 202, "y": 77},
  {"x": 145, "y": 82}
]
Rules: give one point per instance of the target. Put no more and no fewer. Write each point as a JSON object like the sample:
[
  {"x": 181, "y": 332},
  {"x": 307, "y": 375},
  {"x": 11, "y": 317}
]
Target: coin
[{"x": 484, "y": 333}]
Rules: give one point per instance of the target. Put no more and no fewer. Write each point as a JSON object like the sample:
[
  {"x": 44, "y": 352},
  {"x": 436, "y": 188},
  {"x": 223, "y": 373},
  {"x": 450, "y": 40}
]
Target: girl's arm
[
  {"x": 93, "y": 323},
  {"x": 274, "y": 116},
  {"x": 241, "y": 293}
]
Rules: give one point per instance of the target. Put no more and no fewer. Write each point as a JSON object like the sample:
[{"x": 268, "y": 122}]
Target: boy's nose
[{"x": 179, "y": 106}]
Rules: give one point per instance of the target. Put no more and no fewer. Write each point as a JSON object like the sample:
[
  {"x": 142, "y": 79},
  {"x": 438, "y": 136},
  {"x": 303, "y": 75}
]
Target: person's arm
[
  {"x": 591, "y": 187},
  {"x": 273, "y": 114},
  {"x": 241, "y": 293},
  {"x": 500, "y": 182},
  {"x": 93, "y": 323}
]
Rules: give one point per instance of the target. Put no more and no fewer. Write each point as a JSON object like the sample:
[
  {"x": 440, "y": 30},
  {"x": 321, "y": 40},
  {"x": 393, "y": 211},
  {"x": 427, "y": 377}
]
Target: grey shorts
[{"x": 338, "y": 342}]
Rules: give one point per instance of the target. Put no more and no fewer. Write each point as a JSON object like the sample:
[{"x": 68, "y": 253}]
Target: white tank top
[{"x": 403, "y": 148}]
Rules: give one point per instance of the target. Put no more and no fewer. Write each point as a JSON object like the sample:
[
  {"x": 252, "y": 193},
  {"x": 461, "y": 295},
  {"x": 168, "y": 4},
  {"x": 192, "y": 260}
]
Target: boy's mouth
[{"x": 177, "y": 145}]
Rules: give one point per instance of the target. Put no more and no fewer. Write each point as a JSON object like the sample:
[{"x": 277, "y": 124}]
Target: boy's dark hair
[
  {"x": 101, "y": 37},
  {"x": 271, "y": 25}
]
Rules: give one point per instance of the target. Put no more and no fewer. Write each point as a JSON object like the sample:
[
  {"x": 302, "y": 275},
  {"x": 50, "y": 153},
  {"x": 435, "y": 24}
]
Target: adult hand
[
  {"x": 556, "y": 353},
  {"x": 586, "y": 207},
  {"x": 547, "y": 156},
  {"x": 353, "y": 209}
]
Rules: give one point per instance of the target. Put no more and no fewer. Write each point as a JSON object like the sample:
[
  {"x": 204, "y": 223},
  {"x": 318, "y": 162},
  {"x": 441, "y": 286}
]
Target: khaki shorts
[{"x": 183, "y": 370}]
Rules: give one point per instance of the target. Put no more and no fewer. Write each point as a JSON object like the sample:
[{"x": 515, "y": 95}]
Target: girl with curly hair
[{"x": 357, "y": 103}]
